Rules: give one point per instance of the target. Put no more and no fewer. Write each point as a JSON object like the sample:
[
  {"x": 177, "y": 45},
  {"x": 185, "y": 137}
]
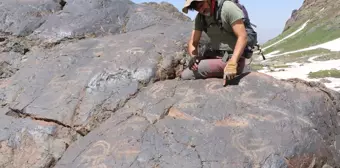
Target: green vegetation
[
  {"x": 325, "y": 73},
  {"x": 281, "y": 66},
  {"x": 313, "y": 34},
  {"x": 300, "y": 57},
  {"x": 256, "y": 67},
  {"x": 305, "y": 39},
  {"x": 283, "y": 35},
  {"x": 330, "y": 56}
]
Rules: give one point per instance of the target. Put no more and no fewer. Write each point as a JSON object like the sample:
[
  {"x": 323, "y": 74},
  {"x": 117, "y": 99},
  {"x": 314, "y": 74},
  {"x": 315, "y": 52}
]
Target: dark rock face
[
  {"x": 84, "y": 18},
  {"x": 50, "y": 22},
  {"x": 165, "y": 6},
  {"x": 94, "y": 85},
  {"x": 201, "y": 124},
  {"x": 73, "y": 82},
  {"x": 22, "y": 17}
]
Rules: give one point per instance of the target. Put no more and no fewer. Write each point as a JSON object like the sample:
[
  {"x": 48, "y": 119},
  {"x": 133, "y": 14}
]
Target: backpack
[{"x": 251, "y": 33}]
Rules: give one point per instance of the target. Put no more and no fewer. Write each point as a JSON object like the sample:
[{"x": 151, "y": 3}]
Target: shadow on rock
[{"x": 237, "y": 79}]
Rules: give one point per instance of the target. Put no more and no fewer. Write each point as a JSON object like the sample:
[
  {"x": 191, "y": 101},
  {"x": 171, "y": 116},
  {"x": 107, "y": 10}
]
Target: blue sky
[{"x": 269, "y": 16}]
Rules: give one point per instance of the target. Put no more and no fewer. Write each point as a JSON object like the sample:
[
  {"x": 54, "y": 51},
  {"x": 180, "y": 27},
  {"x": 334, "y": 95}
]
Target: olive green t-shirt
[{"x": 221, "y": 40}]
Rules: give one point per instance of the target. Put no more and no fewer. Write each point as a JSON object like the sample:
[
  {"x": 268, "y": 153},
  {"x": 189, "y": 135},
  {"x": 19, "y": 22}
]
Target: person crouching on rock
[{"x": 228, "y": 42}]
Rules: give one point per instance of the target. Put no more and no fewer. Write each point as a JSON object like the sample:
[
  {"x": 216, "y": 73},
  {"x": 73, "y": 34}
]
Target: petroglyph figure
[
  {"x": 262, "y": 118},
  {"x": 215, "y": 87},
  {"x": 95, "y": 156},
  {"x": 173, "y": 112},
  {"x": 4, "y": 83},
  {"x": 252, "y": 147},
  {"x": 155, "y": 89},
  {"x": 182, "y": 91},
  {"x": 135, "y": 50},
  {"x": 77, "y": 48},
  {"x": 264, "y": 104},
  {"x": 86, "y": 70},
  {"x": 232, "y": 122},
  {"x": 190, "y": 99},
  {"x": 57, "y": 82},
  {"x": 100, "y": 46}
]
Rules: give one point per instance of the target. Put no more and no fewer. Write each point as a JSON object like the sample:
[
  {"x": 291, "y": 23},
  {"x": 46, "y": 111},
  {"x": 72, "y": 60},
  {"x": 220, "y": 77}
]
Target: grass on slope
[
  {"x": 325, "y": 73},
  {"x": 300, "y": 57},
  {"x": 283, "y": 35},
  {"x": 306, "y": 38},
  {"x": 330, "y": 56},
  {"x": 256, "y": 67}
]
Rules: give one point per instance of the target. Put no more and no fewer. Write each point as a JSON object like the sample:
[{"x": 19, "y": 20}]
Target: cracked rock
[
  {"x": 21, "y": 18},
  {"x": 31, "y": 143},
  {"x": 202, "y": 124},
  {"x": 99, "y": 98}
]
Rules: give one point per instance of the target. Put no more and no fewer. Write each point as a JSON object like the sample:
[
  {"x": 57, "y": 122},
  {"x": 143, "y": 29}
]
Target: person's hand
[
  {"x": 193, "y": 63},
  {"x": 230, "y": 70}
]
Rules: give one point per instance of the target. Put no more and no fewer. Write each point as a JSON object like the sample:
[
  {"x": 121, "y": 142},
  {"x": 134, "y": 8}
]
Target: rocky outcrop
[
  {"x": 113, "y": 100},
  {"x": 49, "y": 22},
  {"x": 320, "y": 12},
  {"x": 201, "y": 124},
  {"x": 165, "y": 6}
]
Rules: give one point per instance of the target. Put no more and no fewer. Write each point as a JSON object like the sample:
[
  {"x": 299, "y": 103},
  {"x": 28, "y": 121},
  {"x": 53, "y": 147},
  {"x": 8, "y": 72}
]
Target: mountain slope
[
  {"x": 322, "y": 18},
  {"x": 309, "y": 46}
]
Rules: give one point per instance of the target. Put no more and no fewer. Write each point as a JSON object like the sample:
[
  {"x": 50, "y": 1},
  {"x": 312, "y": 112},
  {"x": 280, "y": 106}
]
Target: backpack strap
[
  {"x": 218, "y": 16},
  {"x": 218, "y": 8}
]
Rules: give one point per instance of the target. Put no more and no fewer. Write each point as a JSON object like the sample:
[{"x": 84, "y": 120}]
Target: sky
[{"x": 269, "y": 16}]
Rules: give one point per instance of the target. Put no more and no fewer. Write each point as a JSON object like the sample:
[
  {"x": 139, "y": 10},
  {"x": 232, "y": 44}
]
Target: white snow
[
  {"x": 301, "y": 71},
  {"x": 298, "y": 70},
  {"x": 290, "y": 35},
  {"x": 269, "y": 55},
  {"x": 331, "y": 45},
  {"x": 322, "y": 9}
]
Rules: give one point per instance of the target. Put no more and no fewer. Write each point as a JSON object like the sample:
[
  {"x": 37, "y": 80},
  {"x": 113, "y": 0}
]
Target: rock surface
[
  {"x": 201, "y": 124},
  {"x": 22, "y": 17},
  {"x": 92, "y": 83},
  {"x": 165, "y": 6}
]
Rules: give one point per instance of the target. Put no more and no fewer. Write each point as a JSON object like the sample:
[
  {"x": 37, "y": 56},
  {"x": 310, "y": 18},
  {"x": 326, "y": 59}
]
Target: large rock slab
[
  {"x": 92, "y": 18},
  {"x": 35, "y": 143},
  {"x": 46, "y": 23},
  {"x": 50, "y": 97},
  {"x": 81, "y": 84},
  {"x": 257, "y": 121},
  {"x": 55, "y": 99},
  {"x": 168, "y": 7},
  {"x": 21, "y": 18}
]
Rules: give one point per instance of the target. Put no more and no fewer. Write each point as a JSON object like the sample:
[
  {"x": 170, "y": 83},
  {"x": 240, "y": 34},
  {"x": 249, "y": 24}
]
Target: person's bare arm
[
  {"x": 241, "y": 34},
  {"x": 193, "y": 42}
]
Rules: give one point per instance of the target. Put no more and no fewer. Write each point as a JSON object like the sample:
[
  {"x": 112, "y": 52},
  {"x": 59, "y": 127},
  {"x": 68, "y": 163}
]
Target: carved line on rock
[
  {"x": 258, "y": 145},
  {"x": 135, "y": 50},
  {"x": 155, "y": 89},
  {"x": 91, "y": 159}
]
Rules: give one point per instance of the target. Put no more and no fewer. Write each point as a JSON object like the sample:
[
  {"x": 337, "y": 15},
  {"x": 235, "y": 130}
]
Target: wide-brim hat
[{"x": 187, "y": 4}]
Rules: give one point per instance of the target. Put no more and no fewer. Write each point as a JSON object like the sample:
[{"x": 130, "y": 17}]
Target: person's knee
[{"x": 187, "y": 74}]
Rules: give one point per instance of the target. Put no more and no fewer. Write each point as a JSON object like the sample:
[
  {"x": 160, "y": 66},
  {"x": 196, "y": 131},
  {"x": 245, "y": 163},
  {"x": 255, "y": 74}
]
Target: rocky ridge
[
  {"x": 92, "y": 84},
  {"x": 324, "y": 13},
  {"x": 316, "y": 22}
]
